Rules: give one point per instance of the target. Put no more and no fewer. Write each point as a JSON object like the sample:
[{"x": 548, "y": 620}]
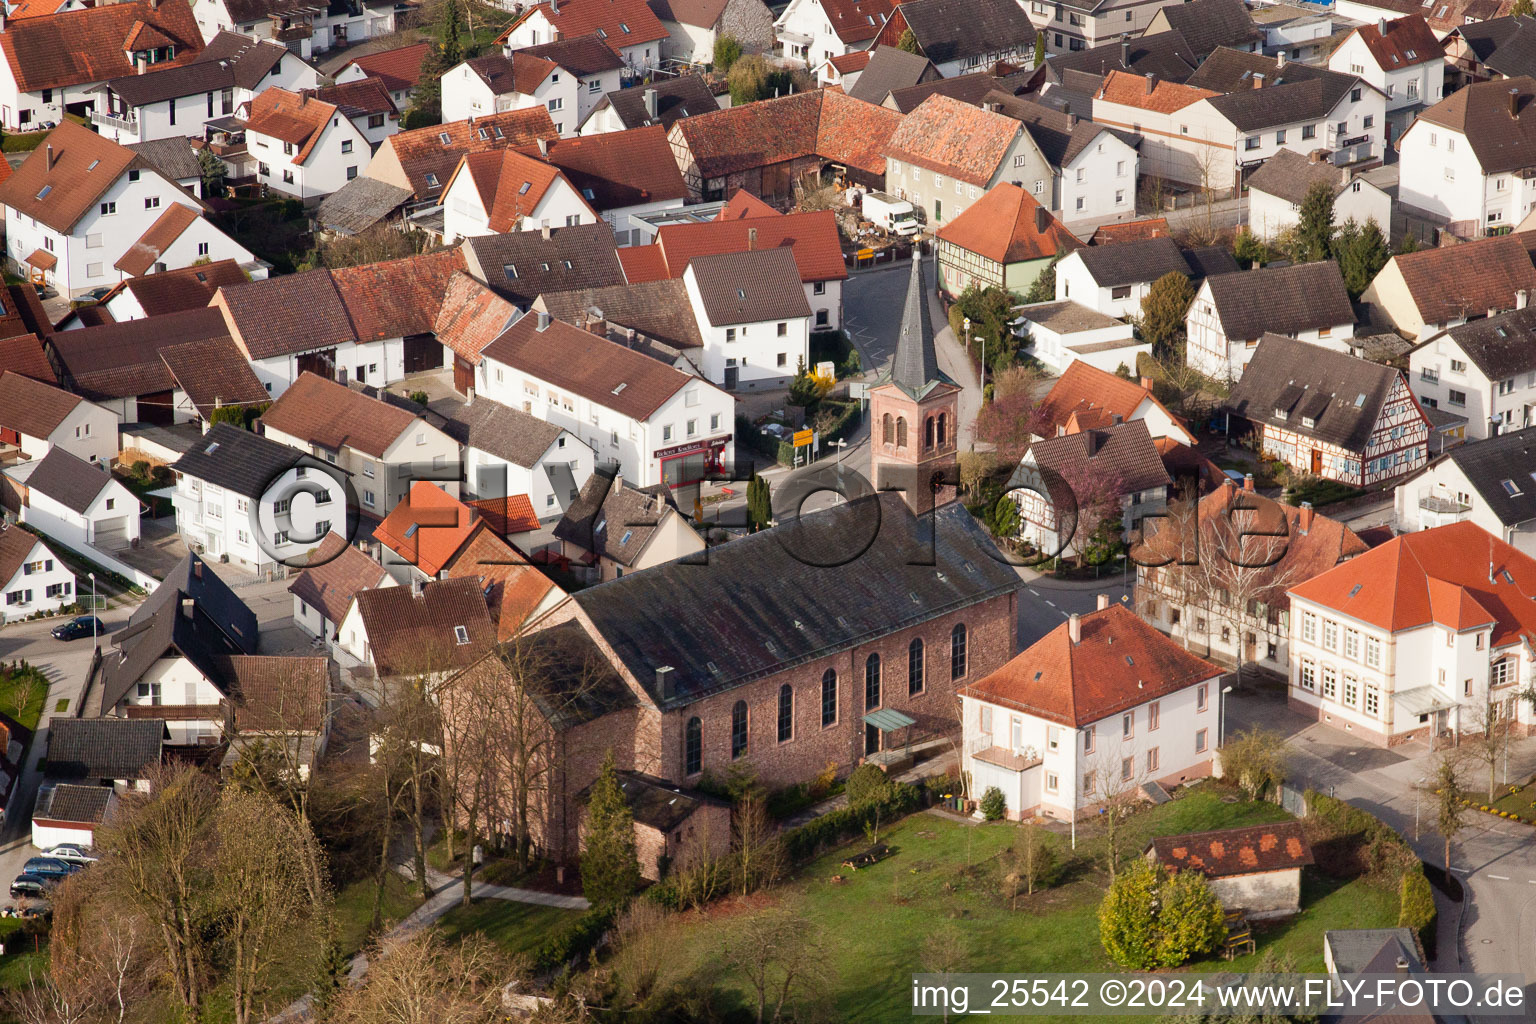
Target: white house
[
  {"x": 597, "y": 69},
  {"x": 398, "y": 68},
  {"x": 1062, "y": 333},
  {"x": 503, "y": 191},
  {"x": 660, "y": 424},
  {"x": 1232, "y": 311},
  {"x": 1463, "y": 159},
  {"x": 1113, "y": 279},
  {"x": 38, "y": 417},
  {"x": 1487, "y": 483},
  {"x": 629, "y": 27},
  {"x": 306, "y": 30},
  {"x": 82, "y": 212},
  {"x": 76, "y": 503},
  {"x": 1484, "y": 370},
  {"x": 1100, "y": 706},
  {"x": 509, "y": 452},
  {"x": 1093, "y": 168},
  {"x": 1402, "y": 58},
  {"x": 427, "y": 628},
  {"x": 627, "y": 177},
  {"x": 32, "y": 580},
  {"x": 367, "y": 104},
  {"x": 1278, "y": 188},
  {"x": 323, "y": 591},
  {"x": 815, "y": 31},
  {"x": 303, "y": 146},
  {"x": 693, "y": 27},
  {"x": 1424, "y": 636},
  {"x": 1425, "y": 292},
  {"x": 175, "y": 101},
  {"x": 752, "y": 316},
  {"x": 497, "y": 82}
]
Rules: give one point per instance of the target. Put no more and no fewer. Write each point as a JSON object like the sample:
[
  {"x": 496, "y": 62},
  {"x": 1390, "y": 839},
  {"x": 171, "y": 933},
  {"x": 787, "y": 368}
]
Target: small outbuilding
[{"x": 1255, "y": 869}]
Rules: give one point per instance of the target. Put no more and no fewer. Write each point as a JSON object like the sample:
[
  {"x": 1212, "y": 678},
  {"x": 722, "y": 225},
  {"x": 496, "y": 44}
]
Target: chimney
[
  {"x": 543, "y": 147},
  {"x": 1344, "y": 175},
  {"x": 1514, "y": 103},
  {"x": 48, "y": 166},
  {"x": 1066, "y": 108},
  {"x": 546, "y": 231},
  {"x": 1228, "y": 482},
  {"x": 629, "y": 337},
  {"x": 1103, "y": 602},
  {"x": 1522, "y": 298},
  {"x": 751, "y": 239},
  {"x": 1402, "y": 965},
  {"x": 1075, "y": 628},
  {"x": 1280, "y": 61},
  {"x": 417, "y": 589},
  {"x": 154, "y": 5},
  {"x": 1258, "y": 80},
  {"x": 1304, "y": 521},
  {"x": 543, "y": 320},
  {"x": 1314, "y": 156},
  {"x": 1247, "y": 481},
  {"x": 1146, "y": 383},
  {"x": 1381, "y": 26},
  {"x": 187, "y": 605},
  {"x": 555, "y": 35},
  {"x": 666, "y": 685},
  {"x": 596, "y": 324},
  {"x": 1042, "y": 218},
  {"x": 1125, "y": 51},
  {"x": 1151, "y": 82},
  {"x": 650, "y": 103}
]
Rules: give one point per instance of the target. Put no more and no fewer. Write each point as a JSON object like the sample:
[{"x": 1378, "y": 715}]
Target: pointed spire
[{"x": 916, "y": 364}]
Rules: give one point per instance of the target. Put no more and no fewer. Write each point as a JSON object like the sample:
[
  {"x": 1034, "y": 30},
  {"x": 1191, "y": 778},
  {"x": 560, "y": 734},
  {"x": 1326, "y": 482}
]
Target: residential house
[
  {"x": 1074, "y": 78},
  {"x": 1003, "y": 240},
  {"x": 424, "y": 629},
  {"x": 280, "y": 703},
  {"x": 1255, "y": 868},
  {"x": 497, "y": 82},
  {"x": 1468, "y": 49},
  {"x": 1377, "y": 950},
  {"x": 1302, "y": 35},
  {"x": 1208, "y": 25},
  {"x": 499, "y": 192},
  {"x": 1082, "y": 25},
  {"x": 598, "y": 71},
  {"x": 654, "y": 317},
  {"x": 239, "y": 498},
  {"x": 1425, "y": 292},
  {"x": 77, "y": 503},
  {"x": 89, "y": 763},
  {"x": 510, "y": 453},
  {"x": 520, "y": 266},
  {"x": 662, "y": 102},
  {"x": 422, "y": 534},
  {"x": 302, "y": 145},
  {"x": 175, "y": 159},
  {"x": 1098, "y": 707},
  {"x": 306, "y": 28},
  {"x": 1488, "y": 483},
  {"x": 660, "y": 424},
  {"x": 1235, "y": 610},
  {"x": 379, "y": 447},
  {"x": 1062, "y": 334},
  {"x": 1066, "y": 483},
  {"x": 33, "y": 580},
  {"x": 1093, "y": 169},
  {"x": 891, "y": 68},
  {"x": 56, "y": 64},
  {"x": 514, "y": 589},
  {"x": 38, "y": 417},
  {"x": 812, "y": 236},
  {"x": 628, "y": 27},
  {"x": 82, "y": 212},
  {"x": 1278, "y": 188},
  {"x": 1402, "y": 58},
  {"x": 975, "y": 88},
  {"x": 1231, "y": 312},
  {"x": 693, "y": 26},
  {"x": 324, "y": 590},
  {"x": 844, "y": 70},
  {"x": 1442, "y": 15},
  {"x": 946, "y": 154},
  {"x": 614, "y": 528},
  {"x": 753, "y": 317},
  {"x": 171, "y": 291},
  {"x": 173, "y": 102},
  {"x": 962, "y": 37},
  {"x": 398, "y": 68},
  {"x": 1484, "y": 370},
  {"x": 1085, "y": 396},
  {"x": 1113, "y": 279},
  {"x": 367, "y": 104},
  {"x": 1463, "y": 159},
  {"x": 815, "y": 31},
  {"x": 1421, "y": 637},
  {"x": 1328, "y": 414},
  {"x": 625, "y": 177}
]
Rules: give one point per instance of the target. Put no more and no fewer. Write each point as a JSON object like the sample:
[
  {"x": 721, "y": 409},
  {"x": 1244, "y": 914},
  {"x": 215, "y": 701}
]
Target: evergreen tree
[
  {"x": 1250, "y": 249},
  {"x": 1162, "y": 312},
  {"x": 1040, "y": 47},
  {"x": 907, "y": 41},
  {"x": 759, "y": 503},
  {"x": 1361, "y": 252},
  {"x": 1044, "y": 287},
  {"x": 211, "y": 168},
  {"x": 610, "y": 871},
  {"x": 1410, "y": 243},
  {"x": 1314, "y": 232},
  {"x": 446, "y": 51}
]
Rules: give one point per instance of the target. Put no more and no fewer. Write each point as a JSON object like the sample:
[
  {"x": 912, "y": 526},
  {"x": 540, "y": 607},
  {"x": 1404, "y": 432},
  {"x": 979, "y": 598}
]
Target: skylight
[
  {"x": 622, "y": 385},
  {"x": 92, "y": 165},
  {"x": 497, "y": 129},
  {"x": 524, "y": 190},
  {"x": 625, "y": 539},
  {"x": 624, "y": 27},
  {"x": 410, "y": 531},
  {"x": 1510, "y": 488},
  {"x": 510, "y": 270},
  {"x": 213, "y": 446},
  {"x": 431, "y": 181},
  {"x": 443, "y": 138},
  {"x": 44, "y": 193},
  {"x": 460, "y": 635},
  {"x": 1356, "y": 589},
  {"x": 1359, "y": 400}
]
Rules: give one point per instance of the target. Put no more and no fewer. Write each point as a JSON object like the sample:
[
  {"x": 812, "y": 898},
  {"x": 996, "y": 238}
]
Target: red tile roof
[
  {"x": 854, "y": 21},
  {"x": 42, "y": 259},
  {"x": 366, "y": 96},
  {"x": 643, "y": 263},
  {"x": 1452, "y": 576},
  {"x": 336, "y": 573},
  {"x": 23, "y": 354},
  {"x": 1120, "y": 662},
  {"x": 424, "y": 151},
  {"x": 1462, "y": 280},
  {"x": 620, "y": 22},
  {"x": 399, "y": 68},
  {"x": 91, "y": 45},
  {"x": 58, "y": 193},
  {"x": 847, "y": 63},
  {"x": 821, "y": 123},
  {"x": 507, "y": 516},
  {"x": 1236, "y": 851},
  {"x": 1130, "y": 231},
  {"x": 172, "y": 291},
  {"x": 956, "y": 138},
  {"x": 290, "y": 117},
  {"x": 1007, "y": 226},
  {"x": 32, "y": 407},
  {"x": 743, "y": 205},
  {"x": 1130, "y": 90},
  {"x": 1407, "y": 41},
  {"x": 1082, "y": 389},
  {"x": 396, "y": 298},
  {"x": 509, "y": 184},
  {"x": 412, "y": 633},
  {"x": 471, "y": 317},
  {"x": 158, "y": 237},
  {"x": 428, "y": 528},
  {"x": 519, "y": 73},
  {"x": 513, "y": 587},
  {"x": 616, "y": 169},
  {"x": 812, "y": 236},
  {"x": 321, "y": 411}
]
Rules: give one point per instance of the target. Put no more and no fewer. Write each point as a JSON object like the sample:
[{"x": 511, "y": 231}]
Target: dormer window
[
  {"x": 1308, "y": 422},
  {"x": 1282, "y": 414}
]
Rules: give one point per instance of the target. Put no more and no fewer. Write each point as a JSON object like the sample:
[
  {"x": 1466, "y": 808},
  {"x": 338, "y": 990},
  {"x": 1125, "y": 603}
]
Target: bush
[
  {"x": 993, "y": 804},
  {"x": 419, "y": 397},
  {"x": 1347, "y": 841},
  {"x": 1416, "y": 906},
  {"x": 727, "y": 52},
  {"x": 577, "y": 939},
  {"x": 1149, "y": 920},
  {"x": 866, "y": 785},
  {"x": 800, "y": 844},
  {"x": 141, "y": 469}
]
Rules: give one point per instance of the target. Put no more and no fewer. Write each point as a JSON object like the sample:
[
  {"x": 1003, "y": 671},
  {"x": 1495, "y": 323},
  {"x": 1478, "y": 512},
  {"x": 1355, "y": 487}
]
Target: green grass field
[{"x": 515, "y": 927}]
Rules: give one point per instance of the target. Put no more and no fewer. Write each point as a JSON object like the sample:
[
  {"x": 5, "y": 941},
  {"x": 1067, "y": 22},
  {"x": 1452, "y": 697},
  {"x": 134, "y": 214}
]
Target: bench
[{"x": 865, "y": 858}]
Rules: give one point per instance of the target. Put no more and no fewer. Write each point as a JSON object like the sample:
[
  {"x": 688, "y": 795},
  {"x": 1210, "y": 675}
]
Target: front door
[
  {"x": 938, "y": 211},
  {"x": 871, "y": 740},
  {"x": 463, "y": 375},
  {"x": 731, "y": 374},
  {"x": 1317, "y": 462}
]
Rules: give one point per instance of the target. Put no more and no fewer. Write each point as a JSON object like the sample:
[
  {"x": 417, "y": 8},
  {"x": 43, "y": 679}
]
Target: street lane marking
[
  {"x": 1050, "y": 602},
  {"x": 1502, "y": 878}
]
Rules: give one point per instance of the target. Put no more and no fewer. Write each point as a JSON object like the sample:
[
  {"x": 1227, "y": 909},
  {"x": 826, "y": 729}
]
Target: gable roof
[
  {"x": 86, "y": 805},
  {"x": 1464, "y": 280},
  {"x": 855, "y": 21},
  {"x": 519, "y": 73},
  {"x": 676, "y": 98},
  {"x": 16, "y": 546},
  {"x": 699, "y": 13},
  {"x": 1061, "y": 136},
  {"x": 320, "y": 411},
  {"x": 430, "y": 154},
  {"x": 1121, "y": 454},
  {"x": 64, "y": 176},
  {"x": 1484, "y": 38},
  {"x": 511, "y": 587},
  {"x": 33, "y": 407},
  {"x": 396, "y": 298},
  {"x": 213, "y": 372},
  {"x": 1168, "y": 55},
  {"x": 1236, "y": 851},
  {"x": 612, "y": 519},
  {"x": 658, "y": 311},
  {"x": 748, "y": 287},
  {"x": 139, "y": 257},
  {"x": 119, "y": 360},
  {"x": 1149, "y": 93},
  {"x": 285, "y": 314},
  {"x": 1129, "y": 231},
  {"x": 811, "y": 235},
  {"x": 1406, "y": 42},
  {"x": 1342, "y": 395},
  {"x": 1438, "y": 576},
  {"x": 1254, "y": 109},
  {"x": 428, "y": 528},
  {"x": 360, "y": 204},
  {"x": 356, "y": 99},
  {"x": 889, "y": 68},
  {"x": 1488, "y": 463},
  {"x": 1288, "y": 175},
  {"x": 1007, "y": 225},
  {"x": 1302, "y": 297},
  {"x": 1119, "y": 662},
  {"x": 413, "y": 631},
  {"x": 399, "y": 69},
  {"x": 500, "y": 430},
  {"x": 69, "y": 480},
  {"x": 174, "y": 158},
  {"x": 1501, "y": 346},
  {"x": 1209, "y": 24},
  {"x": 972, "y": 89},
  {"x": 618, "y": 22},
  {"x": 509, "y": 184},
  {"x": 831, "y": 125},
  {"x": 955, "y": 138},
  {"x": 227, "y": 61},
  {"x": 295, "y": 118},
  {"x": 103, "y": 748},
  {"x": 1133, "y": 262},
  {"x": 1480, "y": 111},
  {"x": 1516, "y": 53},
  {"x": 618, "y": 169},
  {"x": 23, "y": 354},
  {"x": 238, "y": 460},
  {"x": 173, "y": 291},
  {"x": 772, "y": 610},
  {"x": 471, "y": 317},
  {"x": 521, "y": 265},
  {"x": 1084, "y": 389},
  {"x": 92, "y": 44},
  {"x": 949, "y": 30},
  {"x": 583, "y": 56},
  {"x": 280, "y": 694},
  {"x": 336, "y": 573}
]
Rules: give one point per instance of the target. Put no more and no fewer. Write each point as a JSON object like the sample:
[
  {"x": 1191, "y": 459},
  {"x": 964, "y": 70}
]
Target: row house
[
  {"x": 1425, "y": 292},
  {"x": 1231, "y": 312},
  {"x": 36, "y": 417},
  {"x": 1488, "y": 483},
  {"x": 510, "y": 453},
  {"x": 520, "y": 266},
  {"x": 627, "y": 27},
  {"x": 1329, "y": 414},
  {"x": 1484, "y": 370},
  {"x": 753, "y": 318},
  {"x": 306, "y": 27},
  {"x": 1426, "y": 636},
  {"x": 33, "y": 580},
  {"x": 1402, "y": 58},
  {"x": 1097, "y": 708},
  {"x": 987, "y": 33},
  {"x": 1093, "y": 169},
  {"x": 303, "y": 146},
  {"x": 816, "y": 31}
]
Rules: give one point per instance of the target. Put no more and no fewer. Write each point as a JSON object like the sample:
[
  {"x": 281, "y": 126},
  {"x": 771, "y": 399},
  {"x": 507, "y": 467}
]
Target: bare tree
[
  {"x": 1117, "y": 776},
  {"x": 945, "y": 951},
  {"x": 756, "y": 846},
  {"x": 98, "y": 959},
  {"x": 785, "y": 962},
  {"x": 1256, "y": 760},
  {"x": 469, "y": 703},
  {"x": 700, "y": 873},
  {"x": 1032, "y": 858},
  {"x": 423, "y": 980},
  {"x": 1492, "y": 737}
]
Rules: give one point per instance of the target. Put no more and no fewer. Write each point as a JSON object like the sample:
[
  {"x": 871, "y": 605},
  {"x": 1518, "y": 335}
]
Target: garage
[
  {"x": 111, "y": 532},
  {"x": 423, "y": 352}
]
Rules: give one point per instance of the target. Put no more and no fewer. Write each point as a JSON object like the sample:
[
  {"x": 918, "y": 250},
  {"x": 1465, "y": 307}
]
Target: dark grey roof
[
  {"x": 69, "y": 480},
  {"x": 86, "y": 805},
  {"x": 1135, "y": 262},
  {"x": 1208, "y": 24},
  {"x": 1291, "y": 92},
  {"x": 676, "y": 98},
  {"x": 579, "y": 683},
  {"x": 891, "y": 68},
  {"x": 771, "y": 608},
  {"x": 1487, "y": 464},
  {"x": 949, "y": 30},
  {"x": 211, "y": 596},
  {"x": 502, "y": 431},
  {"x": 1123, "y": 453},
  {"x": 227, "y": 61},
  {"x": 1289, "y": 175},
  {"x": 750, "y": 287},
  {"x": 238, "y": 460},
  {"x": 613, "y": 519},
  {"x": 658, "y": 311},
  {"x": 1355, "y": 948},
  {"x": 1516, "y": 55},
  {"x": 513, "y": 265},
  {"x": 1501, "y": 346},
  {"x": 173, "y": 158},
  {"x": 1060, "y": 135},
  {"x": 360, "y": 204},
  {"x": 1168, "y": 55},
  {"x": 1289, "y": 300},
  {"x": 657, "y": 803},
  {"x": 103, "y": 748},
  {"x": 972, "y": 88},
  {"x": 1484, "y": 38},
  {"x": 1340, "y": 394},
  {"x": 1208, "y": 260},
  {"x": 915, "y": 367}
]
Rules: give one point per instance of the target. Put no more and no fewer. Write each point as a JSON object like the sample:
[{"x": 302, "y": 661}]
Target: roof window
[
  {"x": 484, "y": 134},
  {"x": 622, "y": 385},
  {"x": 1360, "y": 400},
  {"x": 1510, "y": 488},
  {"x": 510, "y": 269},
  {"x": 741, "y": 293},
  {"x": 1355, "y": 589},
  {"x": 431, "y": 181},
  {"x": 92, "y": 165},
  {"x": 410, "y": 531},
  {"x": 443, "y": 138},
  {"x": 497, "y": 129},
  {"x": 624, "y": 27},
  {"x": 604, "y": 35},
  {"x": 625, "y": 539},
  {"x": 44, "y": 193},
  {"x": 460, "y": 635},
  {"x": 213, "y": 446},
  {"x": 524, "y": 190}
]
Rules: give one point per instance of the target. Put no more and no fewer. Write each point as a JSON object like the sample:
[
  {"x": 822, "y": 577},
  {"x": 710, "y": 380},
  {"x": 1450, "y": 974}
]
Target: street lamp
[
  {"x": 1221, "y": 716},
  {"x": 967, "y": 322},
  {"x": 95, "y": 640}
]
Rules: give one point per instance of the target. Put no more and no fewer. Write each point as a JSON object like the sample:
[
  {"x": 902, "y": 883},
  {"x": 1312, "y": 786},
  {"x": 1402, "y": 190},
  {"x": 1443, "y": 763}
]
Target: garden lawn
[
  {"x": 23, "y": 692},
  {"x": 354, "y": 909},
  {"x": 515, "y": 927},
  {"x": 876, "y": 920}
]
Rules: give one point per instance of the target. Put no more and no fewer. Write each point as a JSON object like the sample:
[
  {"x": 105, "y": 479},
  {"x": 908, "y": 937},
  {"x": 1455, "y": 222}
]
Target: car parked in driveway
[
  {"x": 77, "y": 627},
  {"x": 32, "y": 887},
  {"x": 72, "y": 853},
  {"x": 50, "y": 867}
]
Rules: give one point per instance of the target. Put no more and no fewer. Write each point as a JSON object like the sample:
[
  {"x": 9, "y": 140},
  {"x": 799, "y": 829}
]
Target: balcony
[
  {"x": 127, "y": 123},
  {"x": 296, "y": 32},
  {"x": 1429, "y": 376},
  {"x": 1441, "y": 505}
]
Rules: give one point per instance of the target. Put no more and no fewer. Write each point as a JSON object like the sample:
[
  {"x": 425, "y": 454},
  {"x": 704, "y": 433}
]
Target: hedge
[
  {"x": 1416, "y": 907},
  {"x": 576, "y": 939},
  {"x": 803, "y": 843},
  {"x": 1358, "y": 839}
]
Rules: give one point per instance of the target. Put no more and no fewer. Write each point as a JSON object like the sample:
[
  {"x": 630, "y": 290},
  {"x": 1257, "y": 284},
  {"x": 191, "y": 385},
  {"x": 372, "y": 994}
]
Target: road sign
[
  {"x": 864, "y": 254},
  {"x": 858, "y": 389},
  {"x": 803, "y": 437}
]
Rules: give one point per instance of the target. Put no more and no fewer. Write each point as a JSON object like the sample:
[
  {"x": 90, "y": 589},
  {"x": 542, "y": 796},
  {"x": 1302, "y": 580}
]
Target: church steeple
[{"x": 915, "y": 367}]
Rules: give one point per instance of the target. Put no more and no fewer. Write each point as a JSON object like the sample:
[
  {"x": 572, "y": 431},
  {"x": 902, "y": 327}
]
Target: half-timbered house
[{"x": 1329, "y": 414}]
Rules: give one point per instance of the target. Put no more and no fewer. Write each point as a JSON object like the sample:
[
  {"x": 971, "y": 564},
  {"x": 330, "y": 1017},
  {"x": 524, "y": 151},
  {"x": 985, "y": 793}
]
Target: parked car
[
  {"x": 79, "y": 626},
  {"x": 50, "y": 867},
  {"x": 71, "y": 853},
  {"x": 31, "y": 887}
]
